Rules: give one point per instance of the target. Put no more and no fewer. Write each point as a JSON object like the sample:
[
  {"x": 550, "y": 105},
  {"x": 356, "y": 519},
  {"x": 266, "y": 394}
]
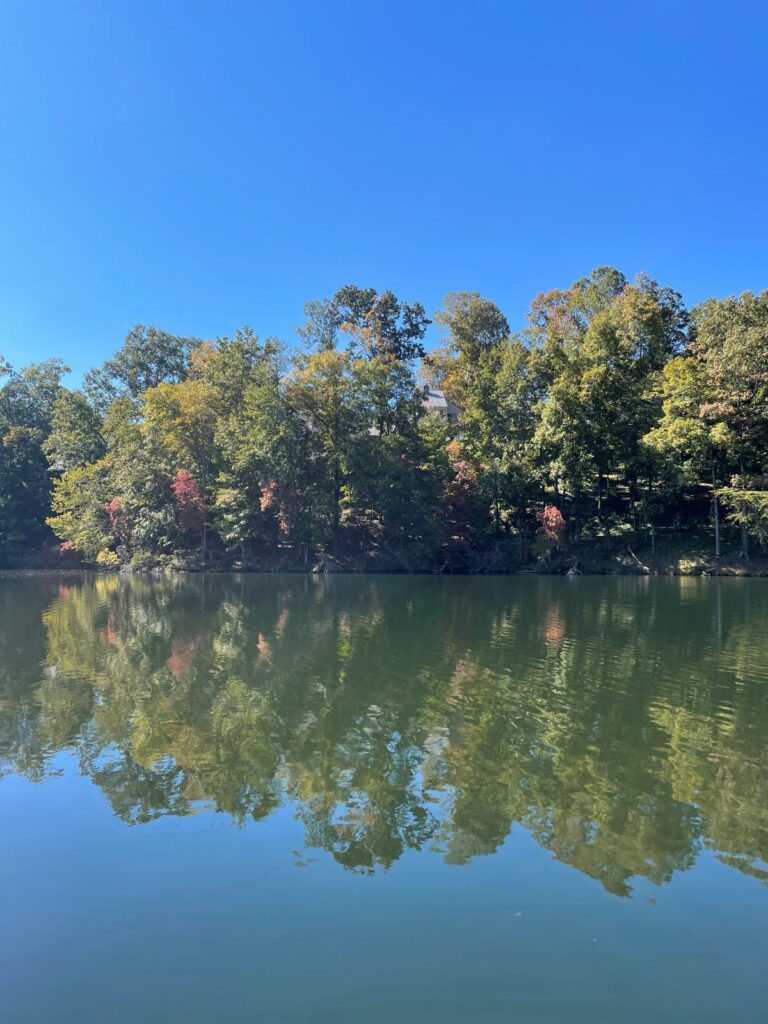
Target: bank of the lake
[{"x": 598, "y": 558}]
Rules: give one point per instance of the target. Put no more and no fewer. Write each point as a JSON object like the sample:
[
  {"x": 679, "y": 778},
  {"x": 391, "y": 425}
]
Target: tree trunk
[
  {"x": 336, "y": 504},
  {"x": 577, "y": 515},
  {"x": 520, "y": 534},
  {"x": 600, "y": 490},
  {"x": 744, "y": 542},
  {"x": 716, "y": 513},
  {"x": 744, "y": 533}
]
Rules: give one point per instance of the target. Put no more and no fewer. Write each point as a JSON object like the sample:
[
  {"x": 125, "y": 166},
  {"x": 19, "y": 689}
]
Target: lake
[{"x": 363, "y": 799}]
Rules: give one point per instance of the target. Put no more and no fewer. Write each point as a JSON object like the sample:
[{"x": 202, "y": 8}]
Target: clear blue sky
[{"x": 202, "y": 165}]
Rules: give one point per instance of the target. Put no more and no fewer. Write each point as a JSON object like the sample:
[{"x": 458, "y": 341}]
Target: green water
[{"x": 344, "y": 800}]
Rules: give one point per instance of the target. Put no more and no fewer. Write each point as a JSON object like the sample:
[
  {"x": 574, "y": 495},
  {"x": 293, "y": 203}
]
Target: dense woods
[{"x": 616, "y": 429}]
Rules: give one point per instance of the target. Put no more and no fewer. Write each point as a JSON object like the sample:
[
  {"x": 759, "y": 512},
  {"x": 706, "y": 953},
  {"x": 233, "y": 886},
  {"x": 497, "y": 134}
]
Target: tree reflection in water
[{"x": 624, "y": 722}]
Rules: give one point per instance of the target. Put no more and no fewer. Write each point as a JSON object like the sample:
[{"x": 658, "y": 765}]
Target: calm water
[{"x": 367, "y": 799}]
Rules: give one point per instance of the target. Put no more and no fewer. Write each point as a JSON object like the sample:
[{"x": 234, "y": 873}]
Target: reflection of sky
[{"x": 198, "y": 919}]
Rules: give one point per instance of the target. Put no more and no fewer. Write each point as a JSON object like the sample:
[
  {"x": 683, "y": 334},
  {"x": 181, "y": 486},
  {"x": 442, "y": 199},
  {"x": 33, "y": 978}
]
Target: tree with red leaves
[
  {"x": 118, "y": 521},
  {"x": 551, "y": 529},
  {"x": 190, "y": 499}
]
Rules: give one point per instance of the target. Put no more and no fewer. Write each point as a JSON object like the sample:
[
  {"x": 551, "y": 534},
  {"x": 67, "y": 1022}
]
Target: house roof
[{"x": 435, "y": 399}]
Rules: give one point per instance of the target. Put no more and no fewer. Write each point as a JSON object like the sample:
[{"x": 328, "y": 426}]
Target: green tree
[
  {"x": 141, "y": 469},
  {"x": 148, "y": 357},
  {"x": 473, "y": 327},
  {"x": 499, "y": 384},
  {"x": 685, "y": 444},
  {"x": 730, "y": 338},
  {"x": 27, "y": 400},
  {"x": 321, "y": 391},
  {"x": 272, "y": 489},
  {"x": 391, "y": 495},
  {"x": 75, "y": 438},
  {"x": 604, "y": 340},
  {"x": 374, "y": 324},
  {"x": 79, "y": 506}
]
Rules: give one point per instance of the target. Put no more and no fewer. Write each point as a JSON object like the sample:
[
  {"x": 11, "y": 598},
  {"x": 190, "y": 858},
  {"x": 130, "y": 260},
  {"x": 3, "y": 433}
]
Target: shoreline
[{"x": 727, "y": 571}]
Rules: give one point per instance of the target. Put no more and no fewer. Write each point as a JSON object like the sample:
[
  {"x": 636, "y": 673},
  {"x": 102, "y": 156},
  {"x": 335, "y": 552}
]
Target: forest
[{"x": 618, "y": 431}]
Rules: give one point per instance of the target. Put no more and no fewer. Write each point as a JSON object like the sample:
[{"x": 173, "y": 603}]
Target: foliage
[
  {"x": 190, "y": 499},
  {"x": 82, "y": 516},
  {"x": 748, "y": 508},
  {"x": 148, "y": 357},
  {"x": 27, "y": 401},
  {"x": 550, "y": 533},
  {"x": 75, "y": 438},
  {"x": 613, "y": 405}
]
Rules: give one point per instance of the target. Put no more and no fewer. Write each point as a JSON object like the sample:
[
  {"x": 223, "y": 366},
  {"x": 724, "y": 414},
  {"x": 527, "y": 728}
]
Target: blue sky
[{"x": 203, "y": 165}]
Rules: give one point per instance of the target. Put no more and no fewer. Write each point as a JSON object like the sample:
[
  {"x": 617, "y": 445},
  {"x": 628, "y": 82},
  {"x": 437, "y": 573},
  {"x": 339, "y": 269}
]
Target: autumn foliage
[
  {"x": 189, "y": 499},
  {"x": 551, "y": 528},
  {"x": 616, "y": 413}
]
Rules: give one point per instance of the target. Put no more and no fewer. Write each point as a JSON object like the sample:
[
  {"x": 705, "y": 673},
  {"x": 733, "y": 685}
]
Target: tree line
[{"x": 616, "y": 421}]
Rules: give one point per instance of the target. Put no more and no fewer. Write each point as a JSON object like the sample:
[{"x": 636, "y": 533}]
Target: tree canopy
[{"x": 636, "y": 420}]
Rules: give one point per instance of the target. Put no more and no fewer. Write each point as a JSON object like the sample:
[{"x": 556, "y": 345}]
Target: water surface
[{"x": 368, "y": 799}]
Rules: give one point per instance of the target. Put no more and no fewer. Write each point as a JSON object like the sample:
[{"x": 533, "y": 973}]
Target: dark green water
[{"x": 364, "y": 799}]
